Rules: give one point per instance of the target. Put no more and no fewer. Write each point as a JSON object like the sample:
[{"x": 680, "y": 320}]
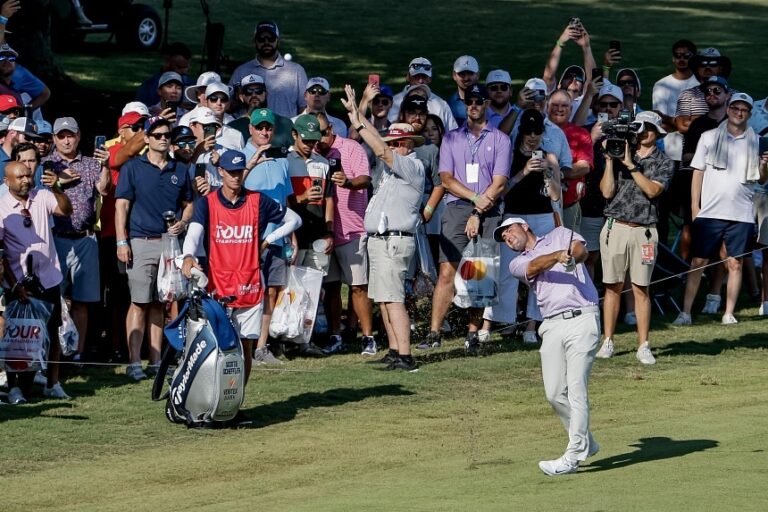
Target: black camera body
[{"x": 618, "y": 132}]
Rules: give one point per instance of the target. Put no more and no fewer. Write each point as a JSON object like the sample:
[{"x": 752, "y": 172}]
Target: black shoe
[
  {"x": 472, "y": 343},
  {"x": 388, "y": 358},
  {"x": 408, "y": 365},
  {"x": 432, "y": 341}
]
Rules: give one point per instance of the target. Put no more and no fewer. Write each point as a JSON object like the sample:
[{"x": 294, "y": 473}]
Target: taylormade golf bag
[{"x": 208, "y": 385}]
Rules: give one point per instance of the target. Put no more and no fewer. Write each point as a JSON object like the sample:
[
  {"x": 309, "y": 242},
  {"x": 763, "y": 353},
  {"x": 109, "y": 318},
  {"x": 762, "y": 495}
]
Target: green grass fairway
[{"x": 462, "y": 434}]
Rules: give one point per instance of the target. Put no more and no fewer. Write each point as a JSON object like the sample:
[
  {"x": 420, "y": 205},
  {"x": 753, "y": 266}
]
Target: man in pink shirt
[
  {"x": 25, "y": 230},
  {"x": 349, "y": 172}
]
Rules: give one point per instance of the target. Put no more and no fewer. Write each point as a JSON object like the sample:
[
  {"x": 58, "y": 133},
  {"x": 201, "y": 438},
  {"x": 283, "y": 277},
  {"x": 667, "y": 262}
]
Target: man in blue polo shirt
[
  {"x": 17, "y": 80},
  {"x": 149, "y": 185}
]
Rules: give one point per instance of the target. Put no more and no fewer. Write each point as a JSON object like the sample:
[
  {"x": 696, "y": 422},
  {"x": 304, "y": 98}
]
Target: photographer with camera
[{"x": 634, "y": 178}]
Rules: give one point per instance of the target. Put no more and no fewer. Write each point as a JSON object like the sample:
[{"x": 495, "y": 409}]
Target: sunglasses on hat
[
  {"x": 709, "y": 63},
  {"x": 423, "y": 67},
  {"x": 9, "y": 58}
]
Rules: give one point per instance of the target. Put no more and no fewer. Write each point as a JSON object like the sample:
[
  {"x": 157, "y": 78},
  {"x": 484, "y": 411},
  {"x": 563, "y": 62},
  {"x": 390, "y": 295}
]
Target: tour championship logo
[
  {"x": 23, "y": 343},
  {"x": 226, "y": 234}
]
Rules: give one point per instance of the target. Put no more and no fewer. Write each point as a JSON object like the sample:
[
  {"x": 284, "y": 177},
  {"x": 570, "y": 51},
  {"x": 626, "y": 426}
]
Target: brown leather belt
[{"x": 631, "y": 224}]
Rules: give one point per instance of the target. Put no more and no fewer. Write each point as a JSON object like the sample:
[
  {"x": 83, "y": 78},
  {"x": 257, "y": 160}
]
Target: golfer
[{"x": 553, "y": 266}]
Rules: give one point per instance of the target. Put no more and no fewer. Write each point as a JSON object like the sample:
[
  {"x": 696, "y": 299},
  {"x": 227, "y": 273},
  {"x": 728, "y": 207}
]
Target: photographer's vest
[{"x": 234, "y": 250}]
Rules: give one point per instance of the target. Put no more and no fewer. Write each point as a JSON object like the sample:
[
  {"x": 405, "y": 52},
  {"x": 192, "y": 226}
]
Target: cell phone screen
[
  {"x": 200, "y": 170},
  {"x": 614, "y": 45},
  {"x": 99, "y": 142},
  {"x": 373, "y": 79},
  {"x": 317, "y": 183}
]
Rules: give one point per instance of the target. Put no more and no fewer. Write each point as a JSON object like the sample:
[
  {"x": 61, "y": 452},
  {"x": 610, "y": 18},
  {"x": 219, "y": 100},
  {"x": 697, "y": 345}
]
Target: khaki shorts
[
  {"x": 247, "y": 321},
  {"x": 142, "y": 271},
  {"x": 621, "y": 252},
  {"x": 349, "y": 263},
  {"x": 389, "y": 258},
  {"x": 761, "y": 212}
]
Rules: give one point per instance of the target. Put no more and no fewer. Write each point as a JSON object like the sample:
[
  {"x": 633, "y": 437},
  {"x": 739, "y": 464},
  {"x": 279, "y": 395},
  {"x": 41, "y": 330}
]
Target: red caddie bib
[{"x": 233, "y": 251}]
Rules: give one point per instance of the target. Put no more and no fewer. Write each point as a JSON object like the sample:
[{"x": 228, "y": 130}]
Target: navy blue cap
[
  {"x": 232, "y": 160},
  {"x": 476, "y": 91},
  {"x": 714, "y": 80},
  {"x": 155, "y": 122}
]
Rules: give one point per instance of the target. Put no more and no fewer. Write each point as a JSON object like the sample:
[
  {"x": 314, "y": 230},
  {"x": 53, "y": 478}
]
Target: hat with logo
[
  {"x": 262, "y": 115},
  {"x": 215, "y": 87},
  {"x": 572, "y": 72},
  {"x": 308, "y": 127},
  {"x": 8, "y": 102},
  {"x": 420, "y": 66},
  {"x": 651, "y": 117},
  {"x": 202, "y": 115},
  {"x": 397, "y": 131},
  {"x": 504, "y": 225},
  {"x": 6, "y": 49},
  {"x": 136, "y": 106},
  {"x": 169, "y": 76},
  {"x": 531, "y": 122},
  {"x": 476, "y": 91},
  {"x": 267, "y": 26},
  {"x": 414, "y": 102},
  {"x": 251, "y": 79},
  {"x": 741, "y": 96},
  {"x": 608, "y": 89},
  {"x": 536, "y": 84},
  {"x": 714, "y": 80},
  {"x": 191, "y": 92},
  {"x": 710, "y": 55},
  {"x": 154, "y": 123},
  {"x": 65, "y": 123},
  {"x": 498, "y": 76},
  {"x": 232, "y": 160},
  {"x": 44, "y": 128},
  {"x": 130, "y": 118},
  {"x": 466, "y": 63},
  {"x": 182, "y": 133},
  {"x": 24, "y": 125},
  {"x": 318, "y": 80}
]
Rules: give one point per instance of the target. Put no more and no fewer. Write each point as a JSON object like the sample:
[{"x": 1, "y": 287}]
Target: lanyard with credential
[{"x": 474, "y": 148}]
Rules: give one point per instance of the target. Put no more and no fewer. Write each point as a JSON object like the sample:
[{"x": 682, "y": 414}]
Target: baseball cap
[
  {"x": 741, "y": 96},
  {"x": 504, "y": 225},
  {"x": 498, "y": 76},
  {"x": 420, "y": 66},
  {"x": 476, "y": 91},
  {"x": 650, "y": 117},
  {"x": 24, "y": 125},
  {"x": 466, "y": 63},
  {"x": 182, "y": 133},
  {"x": 215, "y": 87},
  {"x": 714, "y": 80},
  {"x": 318, "y": 80},
  {"x": 611, "y": 90},
  {"x": 136, "y": 106},
  {"x": 251, "y": 79},
  {"x": 130, "y": 118},
  {"x": 232, "y": 160},
  {"x": 531, "y": 122},
  {"x": 536, "y": 84},
  {"x": 307, "y": 126},
  {"x": 385, "y": 90},
  {"x": 44, "y": 128},
  {"x": 65, "y": 123},
  {"x": 633, "y": 74},
  {"x": 397, "y": 131},
  {"x": 4, "y": 122},
  {"x": 7, "y": 102},
  {"x": 267, "y": 26},
  {"x": 410, "y": 88},
  {"x": 191, "y": 92},
  {"x": 5, "y": 48},
  {"x": 202, "y": 115},
  {"x": 169, "y": 76},
  {"x": 262, "y": 115},
  {"x": 414, "y": 102},
  {"x": 708, "y": 55},
  {"x": 155, "y": 122}
]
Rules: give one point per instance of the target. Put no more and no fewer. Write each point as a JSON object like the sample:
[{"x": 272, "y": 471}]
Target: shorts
[
  {"x": 79, "y": 260},
  {"x": 247, "y": 321},
  {"x": 708, "y": 235},
  {"x": 349, "y": 263},
  {"x": 590, "y": 230},
  {"x": 761, "y": 212},
  {"x": 621, "y": 252},
  {"x": 453, "y": 240},
  {"x": 274, "y": 267},
  {"x": 142, "y": 270},
  {"x": 680, "y": 194},
  {"x": 389, "y": 258}
]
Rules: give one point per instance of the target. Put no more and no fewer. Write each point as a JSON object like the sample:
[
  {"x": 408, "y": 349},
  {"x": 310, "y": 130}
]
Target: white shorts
[{"x": 247, "y": 321}]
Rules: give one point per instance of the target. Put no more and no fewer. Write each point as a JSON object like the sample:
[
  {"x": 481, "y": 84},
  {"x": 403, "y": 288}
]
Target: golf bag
[{"x": 208, "y": 384}]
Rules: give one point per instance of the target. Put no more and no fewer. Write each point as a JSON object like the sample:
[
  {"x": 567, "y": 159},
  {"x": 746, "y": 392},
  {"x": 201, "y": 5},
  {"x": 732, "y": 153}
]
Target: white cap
[
  {"x": 410, "y": 88},
  {"x": 215, "y": 87},
  {"x": 466, "y": 63},
  {"x": 251, "y": 79},
  {"x": 504, "y": 225},
  {"x": 203, "y": 80},
  {"x": 136, "y": 106},
  {"x": 536, "y": 84},
  {"x": 202, "y": 115},
  {"x": 741, "y": 96},
  {"x": 611, "y": 90},
  {"x": 651, "y": 117},
  {"x": 318, "y": 80},
  {"x": 498, "y": 76},
  {"x": 420, "y": 66}
]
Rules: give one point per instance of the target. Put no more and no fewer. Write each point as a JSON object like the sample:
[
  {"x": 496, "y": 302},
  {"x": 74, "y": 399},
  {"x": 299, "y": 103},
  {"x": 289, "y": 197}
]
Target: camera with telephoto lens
[{"x": 618, "y": 132}]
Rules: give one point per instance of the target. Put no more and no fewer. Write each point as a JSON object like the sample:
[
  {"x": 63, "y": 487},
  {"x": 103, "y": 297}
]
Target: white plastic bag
[
  {"x": 476, "y": 275},
  {"x": 68, "y": 335},
  {"x": 294, "y": 315},
  {"x": 171, "y": 283},
  {"x": 24, "y": 346},
  {"x": 424, "y": 252}
]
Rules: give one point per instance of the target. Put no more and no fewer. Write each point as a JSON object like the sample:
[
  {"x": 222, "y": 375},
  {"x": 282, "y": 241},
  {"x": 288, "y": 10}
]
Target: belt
[
  {"x": 632, "y": 224},
  {"x": 573, "y": 313},
  {"x": 390, "y": 233},
  {"x": 146, "y": 237},
  {"x": 74, "y": 235}
]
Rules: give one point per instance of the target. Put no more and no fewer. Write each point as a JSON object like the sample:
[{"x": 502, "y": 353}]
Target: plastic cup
[{"x": 320, "y": 245}]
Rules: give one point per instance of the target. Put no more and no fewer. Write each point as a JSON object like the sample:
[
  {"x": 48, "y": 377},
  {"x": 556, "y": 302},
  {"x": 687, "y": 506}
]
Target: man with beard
[
  {"x": 253, "y": 93},
  {"x": 284, "y": 79},
  {"x": 169, "y": 89},
  {"x": 499, "y": 85},
  {"x": 17, "y": 80},
  {"x": 317, "y": 95},
  {"x": 466, "y": 73},
  {"x": 691, "y": 103}
]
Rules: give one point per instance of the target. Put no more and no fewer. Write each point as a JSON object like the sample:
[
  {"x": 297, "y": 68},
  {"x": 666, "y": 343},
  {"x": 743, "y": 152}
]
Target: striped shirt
[
  {"x": 350, "y": 204},
  {"x": 692, "y": 102}
]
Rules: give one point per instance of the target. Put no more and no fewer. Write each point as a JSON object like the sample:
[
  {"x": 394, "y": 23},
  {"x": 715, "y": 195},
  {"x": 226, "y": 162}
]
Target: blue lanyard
[{"x": 474, "y": 148}]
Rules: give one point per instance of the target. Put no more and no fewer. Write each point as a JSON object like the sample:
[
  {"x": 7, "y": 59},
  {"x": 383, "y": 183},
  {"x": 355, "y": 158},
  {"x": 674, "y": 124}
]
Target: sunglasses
[
  {"x": 424, "y": 67},
  {"x": 474, "y": 101},
  {"x": 185, "y": 144},
  {"x": 310, "y": 143},
  {"x": 218, "y": 98},
  {"x": 317, "y": 91},
  {"x": 498, "y": 87},
  {"x": 713, "y": 90},
  {"x": 381, "y": 101},
  {"x": 135, "y": 127},
  {"x": 686, "y": 55},
  {"x": 161, "y": 135},
  {"x": 254, "y": 90},
  {"x": 9, "y": 58},
  {"x": 625, "y": 83},
  {"x": 740, "y": 110},
  {"x": 264, "y": 126},
  {"x": 27, "y": 217},
  {"x": 709, "y": 64},
  {"x": 266, "y": 39},
  {"x": 609, "y": 104},
  {"x": 397, "y": 144}
]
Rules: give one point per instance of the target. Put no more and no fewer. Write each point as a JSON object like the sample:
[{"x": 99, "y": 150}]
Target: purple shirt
[
  {"x": 82, "y": 193},
  {"x": 492, "y": 150},
  {"x": 556, "y": 290},
  {"x": 36, "y": 239}
]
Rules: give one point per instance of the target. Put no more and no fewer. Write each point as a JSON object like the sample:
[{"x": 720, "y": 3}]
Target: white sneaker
[
  {"x": 630, "y": 318},
  {"x": 3, "y": 379},
  {"x": 483, "y": 336},
  {"x": 530, "y": 338},
  {"x": 763, "y": 311},
  {"x": 712, "y": 304},
  {"x": 683, "y": 318},
  {"x": 561, "y": 466},
  {"x": 729, "y": 319},
  {"x": 606, "y": 351},
  {"x": 41, "y": 379},
  {"x": 644, "y": 354},
  {"x": 16, "y": 397},
  {"x": 56, "y": 391}
]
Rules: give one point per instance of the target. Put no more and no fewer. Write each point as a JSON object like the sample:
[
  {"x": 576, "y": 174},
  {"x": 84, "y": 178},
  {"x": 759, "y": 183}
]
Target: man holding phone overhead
[{"x": 170, "y": 87}]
